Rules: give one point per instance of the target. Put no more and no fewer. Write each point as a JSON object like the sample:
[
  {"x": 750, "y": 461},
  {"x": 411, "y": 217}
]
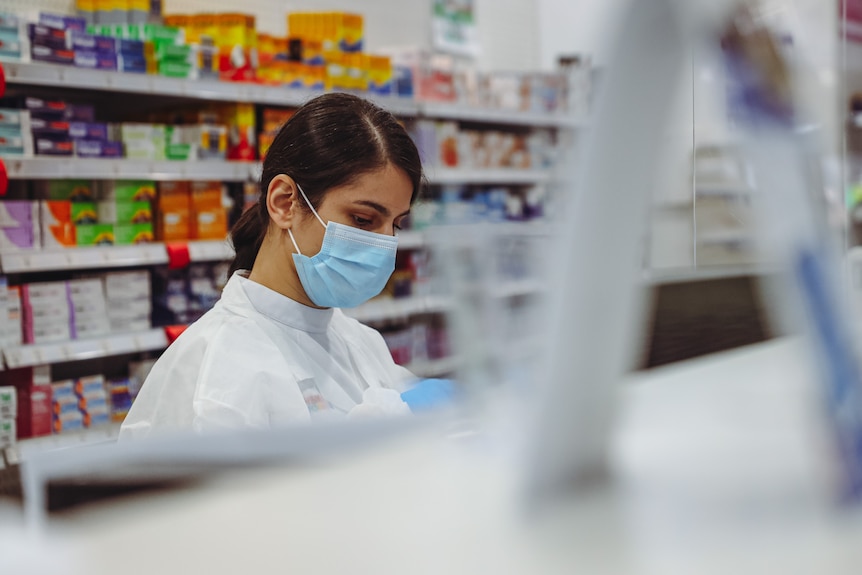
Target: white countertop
[{"x": 721, "y": 466}]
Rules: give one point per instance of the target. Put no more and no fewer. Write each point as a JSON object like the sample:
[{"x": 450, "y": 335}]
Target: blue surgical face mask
[{"x": 352, "y": 266}]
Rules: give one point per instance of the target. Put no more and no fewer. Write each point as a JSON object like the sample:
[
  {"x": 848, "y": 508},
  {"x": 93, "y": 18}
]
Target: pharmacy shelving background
[{"x": 428, "y": 305}]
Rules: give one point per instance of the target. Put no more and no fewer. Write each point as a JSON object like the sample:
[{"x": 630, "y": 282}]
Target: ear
[{"x": 283, "y": 201}]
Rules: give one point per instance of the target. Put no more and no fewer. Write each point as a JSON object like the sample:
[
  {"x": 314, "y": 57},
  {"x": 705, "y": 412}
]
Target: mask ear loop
[{"x": 313, "y": 211}]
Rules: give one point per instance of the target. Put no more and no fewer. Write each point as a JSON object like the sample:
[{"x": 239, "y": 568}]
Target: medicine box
[
  {"x": 132, "y": 234},
  {"x": 95, "y": 235},
  {"x": 56, "y": 229},
  {"x": 71, "y": 190},
  {"x": 8, "y": 432},
  {"x": 128, "y": 191},
  {"x": 8, "y": 402},
  {"x": 122, "y": 212},
  {"x": 83, "y": 213}
]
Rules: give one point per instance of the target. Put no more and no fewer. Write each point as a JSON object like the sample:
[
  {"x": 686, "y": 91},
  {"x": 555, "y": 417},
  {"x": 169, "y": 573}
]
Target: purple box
[
  {"x": 52, "y": 55},
  {"x": 17, "y": 214},
  {"x": 96, "y": 60},
  {"x": 49, "y": 147},
  {"x": 49, "y": 128},
  {"x": 47, "y": 36},
  {"x": 62, "y": 22},
  {"x": 88, "y": 131},
  {"x": 86, "y": 148},
  {"x": 98, "y": 43},
  {"x": 17, "y": 238}
]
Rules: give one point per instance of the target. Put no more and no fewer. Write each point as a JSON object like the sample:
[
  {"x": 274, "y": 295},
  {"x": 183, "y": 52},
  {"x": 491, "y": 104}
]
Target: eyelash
[{"x": 361, "y": 221}]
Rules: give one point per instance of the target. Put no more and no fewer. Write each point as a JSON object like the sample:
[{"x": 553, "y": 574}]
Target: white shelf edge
[
  {"x": 22, "y": 449},
  {"x": 81, "y": 349},
  {"x": 44, "y": 74},
  {"x": 392, "y": 308},
  {"x": 49, "y": 167},
  {"x": 438, "y": 175},
  {"x": 78, "y": 258},
  {"x": 499, "y": 116},
  {"x": 210, "y": 250}
]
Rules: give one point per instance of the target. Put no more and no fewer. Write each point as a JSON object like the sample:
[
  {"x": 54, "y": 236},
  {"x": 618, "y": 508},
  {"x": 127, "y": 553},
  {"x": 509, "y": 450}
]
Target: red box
[{"x": 33, "y": 385}]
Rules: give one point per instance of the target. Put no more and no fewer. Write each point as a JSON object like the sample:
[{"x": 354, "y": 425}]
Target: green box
[
  {"x": 84, "y": 213},
  {"x": 179, "y": 151},
  {"x": 128, "y": 234},
  {"x": 175, "y": 69},
  {"x": 95, "y": 235},
  {"x": 116, "y": 212},
  {"x": 167, "y": 51},
  {"x": 130, "y": 191},
  {"x": 70, "y": 190}
]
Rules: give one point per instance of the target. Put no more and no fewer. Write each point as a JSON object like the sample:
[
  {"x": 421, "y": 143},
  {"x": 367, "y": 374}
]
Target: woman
[{"x": 338, "y": 180}]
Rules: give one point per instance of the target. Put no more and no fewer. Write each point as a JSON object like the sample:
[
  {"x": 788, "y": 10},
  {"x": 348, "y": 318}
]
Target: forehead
[{"x": 388, "y": 186}]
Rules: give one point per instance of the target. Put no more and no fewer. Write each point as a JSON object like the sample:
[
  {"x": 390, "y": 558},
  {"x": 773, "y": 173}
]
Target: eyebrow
[{"x": 383, "y": 210}]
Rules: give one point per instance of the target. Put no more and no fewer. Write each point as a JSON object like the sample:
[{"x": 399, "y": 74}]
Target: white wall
[{"x": 575, "y": 26}]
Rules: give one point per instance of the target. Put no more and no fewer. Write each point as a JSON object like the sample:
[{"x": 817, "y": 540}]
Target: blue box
[
  {"x": 88, "y": 148},
  {"x": 131, "y": 63},
  {"x": 132, "y": 47},
  {"x": 62, "y": 22},
  {"x": 82, "y": 41},
  {"x": 96, "y": 60},
  {"x": 52, "y": 55},
  {"x": 88, "y": 130}
]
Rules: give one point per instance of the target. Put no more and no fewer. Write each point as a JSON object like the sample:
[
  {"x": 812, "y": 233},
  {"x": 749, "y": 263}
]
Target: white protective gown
[{"x": 260, "y": 359}]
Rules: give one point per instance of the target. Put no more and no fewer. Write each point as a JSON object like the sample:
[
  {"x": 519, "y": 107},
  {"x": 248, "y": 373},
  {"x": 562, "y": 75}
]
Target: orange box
[
  {"x": 210, "y": 224},
  {"x": 173, "y": 220}
]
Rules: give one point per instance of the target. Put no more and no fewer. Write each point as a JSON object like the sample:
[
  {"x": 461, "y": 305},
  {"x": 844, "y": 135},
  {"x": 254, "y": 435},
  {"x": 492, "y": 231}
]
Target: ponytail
[{"x": 247, "y": 235}]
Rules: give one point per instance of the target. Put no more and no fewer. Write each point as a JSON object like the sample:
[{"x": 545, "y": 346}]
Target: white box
[
  {"x": 8, "y": 402},
  {"x": 8, "y": 432}
]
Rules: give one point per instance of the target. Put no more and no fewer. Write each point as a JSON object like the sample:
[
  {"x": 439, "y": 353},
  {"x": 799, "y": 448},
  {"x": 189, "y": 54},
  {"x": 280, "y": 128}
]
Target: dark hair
[{"x": 328, "y": 142}]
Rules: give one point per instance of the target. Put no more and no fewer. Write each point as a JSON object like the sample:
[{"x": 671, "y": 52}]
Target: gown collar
[{"x": 281, "y": 308}]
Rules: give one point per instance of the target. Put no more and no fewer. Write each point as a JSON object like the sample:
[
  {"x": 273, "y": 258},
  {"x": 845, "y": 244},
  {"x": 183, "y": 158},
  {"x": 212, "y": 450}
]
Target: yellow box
[
  {"x": 351, "y": 34},
  {"x": 380, "y": 76}
]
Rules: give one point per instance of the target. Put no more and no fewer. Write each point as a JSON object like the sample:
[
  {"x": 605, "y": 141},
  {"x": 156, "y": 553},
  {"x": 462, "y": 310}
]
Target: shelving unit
[
  {"x": 107, "y": 257},
  {"x": 27, "y": 74},
  {"x": 80, "y": 349},
  {"x": 46, "y": 167}
]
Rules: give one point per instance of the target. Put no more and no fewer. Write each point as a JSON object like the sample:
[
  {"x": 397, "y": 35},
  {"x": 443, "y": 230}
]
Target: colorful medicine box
[{"x": 95, "y": 235}]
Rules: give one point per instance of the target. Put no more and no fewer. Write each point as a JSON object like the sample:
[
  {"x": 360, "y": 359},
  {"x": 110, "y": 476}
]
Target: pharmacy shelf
[
  {"x": 502, "y": 117},
  {"x": 108, "y": 257},
  {"x": 55, "y": 75},
  {"x": 512, "y": 176},
  {"x": 51, "y": 167},
  {"x": 25, "y": 448},
  {"x": 81, "y": 349},
  {"x": 434, "y": 367},
  {"x": 385, "y": 308},
  {"x": 82, "y": 258}
]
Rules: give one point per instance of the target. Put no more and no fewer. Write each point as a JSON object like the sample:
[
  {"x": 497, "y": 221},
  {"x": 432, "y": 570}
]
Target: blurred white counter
[{"x": 720, "y": 462}]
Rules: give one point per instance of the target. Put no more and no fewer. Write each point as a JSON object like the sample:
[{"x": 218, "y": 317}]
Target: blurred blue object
[{"x": 429, "y": 394}]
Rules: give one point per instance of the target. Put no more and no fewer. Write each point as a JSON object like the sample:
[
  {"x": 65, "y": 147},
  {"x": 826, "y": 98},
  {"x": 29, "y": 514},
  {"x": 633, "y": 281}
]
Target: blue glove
[{"x": 429, "y": 394}]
